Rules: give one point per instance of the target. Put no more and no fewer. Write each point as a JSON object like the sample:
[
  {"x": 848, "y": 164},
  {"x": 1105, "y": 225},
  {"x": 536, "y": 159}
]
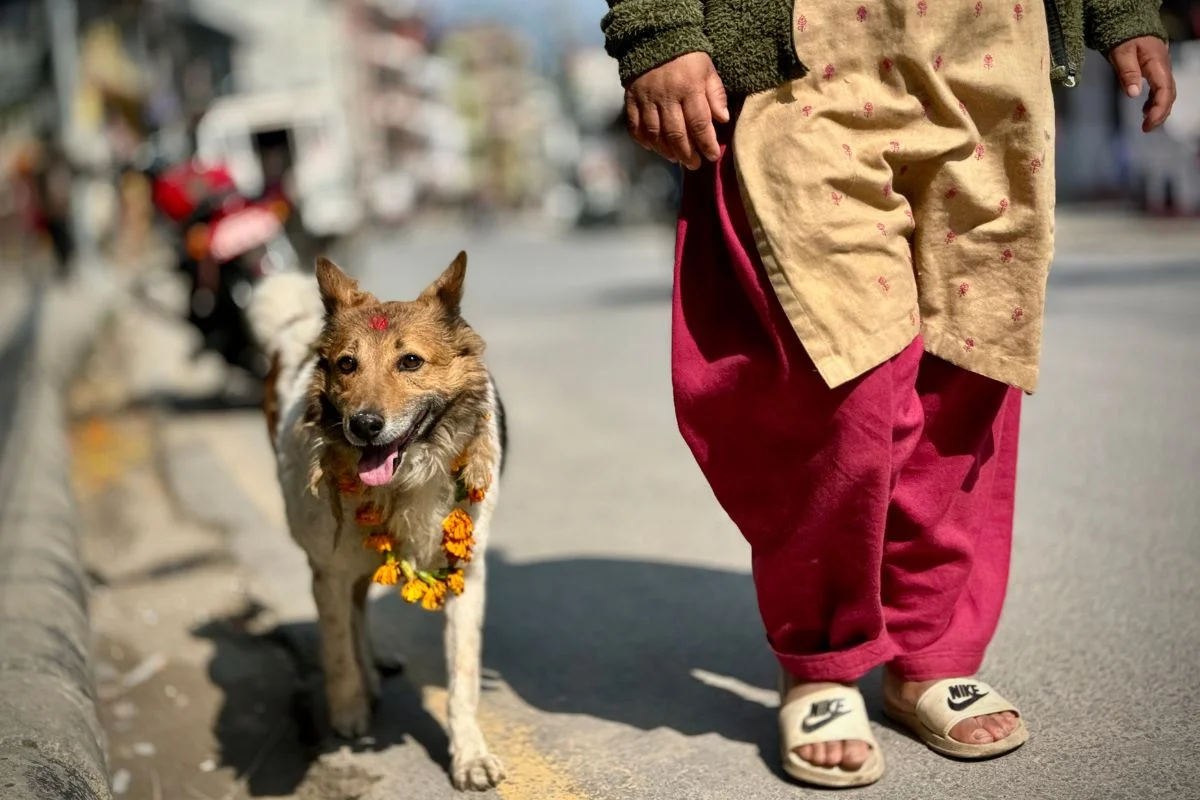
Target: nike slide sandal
[
  {"x": 835, "y": 714},
  {"x": 949, "y": 702}
]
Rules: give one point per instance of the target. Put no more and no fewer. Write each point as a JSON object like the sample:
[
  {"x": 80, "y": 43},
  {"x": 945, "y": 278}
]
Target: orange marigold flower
[
  {"x": 435, "y": 597},
  {"x": 413, "y": 590},
  {"x": 379, "y": 542},
  {"x": 458, "y": 526},
  {"x": 349, "y": 485},
  {"x": 476, "y": 495},
  {"x": 460, "y": 551},
  {"x": 388, "y": 574},
  {"x": 459, "y": 463},
  {"x": 455, "y": 581},
  {"x": 369, "y": 514}
]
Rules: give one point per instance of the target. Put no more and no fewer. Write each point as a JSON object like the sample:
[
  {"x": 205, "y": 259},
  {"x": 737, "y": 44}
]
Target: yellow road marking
[{"x": 532, "y": 775}]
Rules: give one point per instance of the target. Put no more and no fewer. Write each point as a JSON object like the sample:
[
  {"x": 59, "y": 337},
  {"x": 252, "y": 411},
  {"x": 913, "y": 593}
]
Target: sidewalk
[
  {"x": 195, "y": 687},
  {"x": 51, "y": 743}
]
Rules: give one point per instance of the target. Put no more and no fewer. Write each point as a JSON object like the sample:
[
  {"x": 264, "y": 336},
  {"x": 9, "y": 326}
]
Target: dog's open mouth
[{"x": 378, "y": 463}]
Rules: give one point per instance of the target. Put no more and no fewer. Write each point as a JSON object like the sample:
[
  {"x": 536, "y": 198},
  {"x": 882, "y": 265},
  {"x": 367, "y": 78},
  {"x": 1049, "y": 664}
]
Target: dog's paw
[
  {"x": 477, "y": 774},
  {"x": 351, "y": 718}
]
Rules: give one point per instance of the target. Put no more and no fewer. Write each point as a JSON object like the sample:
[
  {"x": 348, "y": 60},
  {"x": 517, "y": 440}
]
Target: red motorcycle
[{"x": 225, "y": 243}]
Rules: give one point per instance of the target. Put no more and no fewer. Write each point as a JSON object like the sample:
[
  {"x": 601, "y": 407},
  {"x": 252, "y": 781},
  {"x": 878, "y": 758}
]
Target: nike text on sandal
[
  {"x": 949, "y": 702},
  {"x": 828, "y": 715}
]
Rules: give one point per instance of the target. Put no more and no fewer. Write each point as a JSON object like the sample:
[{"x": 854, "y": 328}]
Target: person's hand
[
  {"x": 1146, "y": 57},
  {"x": 671, "y": 109}
]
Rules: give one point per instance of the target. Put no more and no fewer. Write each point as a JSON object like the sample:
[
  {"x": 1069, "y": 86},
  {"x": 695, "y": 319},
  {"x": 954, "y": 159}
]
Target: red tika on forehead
[{"x": 379, "y": 322}]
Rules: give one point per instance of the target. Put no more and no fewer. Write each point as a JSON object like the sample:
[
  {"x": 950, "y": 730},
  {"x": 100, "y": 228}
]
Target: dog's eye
[
  {"x": 410, "y": 362},
  {"x": 347, "y": 364}
]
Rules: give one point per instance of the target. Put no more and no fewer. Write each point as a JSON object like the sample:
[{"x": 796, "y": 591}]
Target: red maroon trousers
[{"x": 879, "y": 513}]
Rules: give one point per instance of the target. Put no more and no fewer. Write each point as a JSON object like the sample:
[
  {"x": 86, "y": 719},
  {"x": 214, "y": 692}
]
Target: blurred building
[
  {"x": 452, "y": 119},
  {"x": 414, "y": 145},
  {"x": 286, "y": 118},
  {"x": 83, "y": 82},
  {"x": 509, "y": 111}
]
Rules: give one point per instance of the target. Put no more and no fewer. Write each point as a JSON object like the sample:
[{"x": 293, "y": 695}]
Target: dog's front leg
[
  {"x": 362, "y": 638},
  {"x": 349, "y": 702},
  {"x": 471, "y": 765}
]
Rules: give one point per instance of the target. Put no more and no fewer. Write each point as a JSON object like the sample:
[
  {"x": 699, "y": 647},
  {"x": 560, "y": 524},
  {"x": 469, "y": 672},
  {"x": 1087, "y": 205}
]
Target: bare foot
[
  {"x": 849, "y": 755},
  {"x": 975, "y": 730}
]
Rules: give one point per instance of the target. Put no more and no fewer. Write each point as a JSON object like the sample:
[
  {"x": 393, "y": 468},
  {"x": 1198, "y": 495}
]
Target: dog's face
[{"x": 387, "y": 373}]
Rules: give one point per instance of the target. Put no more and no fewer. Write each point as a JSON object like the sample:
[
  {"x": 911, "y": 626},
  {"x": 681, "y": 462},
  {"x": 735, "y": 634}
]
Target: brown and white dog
[{"x": 383, "y": 397}]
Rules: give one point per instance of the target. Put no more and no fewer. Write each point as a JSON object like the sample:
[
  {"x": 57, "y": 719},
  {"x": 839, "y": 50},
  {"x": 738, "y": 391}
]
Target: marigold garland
[
  {"x": 430, "y": 589},
  {"x": 412, "y": 591},
  {"x": 435, "y": 597},
  {"x": 459, "y": 551},
  {"x": 458, "y": 526},
  {"x": 379, "y": 542},
  {"x": 369, "y": 514},
  {"x": 388, "y": 574}
]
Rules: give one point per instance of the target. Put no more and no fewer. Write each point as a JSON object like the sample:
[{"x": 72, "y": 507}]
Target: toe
[
  {"x": 818, "y": 759},
  {"x": 994, "y": 727},
  {"x": 805, "y": 753},
  {"x": 854, "y": 755},
  {"x": 833, "y": 753},
  {"x": 970, "y": 731}
]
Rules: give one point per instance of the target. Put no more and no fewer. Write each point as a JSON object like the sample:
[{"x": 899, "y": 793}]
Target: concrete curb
[{"x": 51, "y": 742}]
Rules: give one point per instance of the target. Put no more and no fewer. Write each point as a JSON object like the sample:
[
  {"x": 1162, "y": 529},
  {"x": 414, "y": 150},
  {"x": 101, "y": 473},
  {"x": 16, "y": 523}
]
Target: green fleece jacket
[{"x": 750, "y": 41}]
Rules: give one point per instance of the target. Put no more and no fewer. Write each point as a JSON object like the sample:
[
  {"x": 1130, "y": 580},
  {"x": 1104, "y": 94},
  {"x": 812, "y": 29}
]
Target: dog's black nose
[{"x": 366, "y": 425}]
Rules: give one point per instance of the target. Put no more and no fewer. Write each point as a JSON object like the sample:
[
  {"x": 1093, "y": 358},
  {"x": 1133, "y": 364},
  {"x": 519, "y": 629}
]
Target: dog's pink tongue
[{"x": 377, "y": 465}]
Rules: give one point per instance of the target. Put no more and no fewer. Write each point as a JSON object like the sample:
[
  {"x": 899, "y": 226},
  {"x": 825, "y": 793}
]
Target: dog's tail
[{"x": 286, "y": 317}]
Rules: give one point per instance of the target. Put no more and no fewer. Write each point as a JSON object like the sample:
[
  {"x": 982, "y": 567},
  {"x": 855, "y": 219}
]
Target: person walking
[{"x": 862, "y": 252}]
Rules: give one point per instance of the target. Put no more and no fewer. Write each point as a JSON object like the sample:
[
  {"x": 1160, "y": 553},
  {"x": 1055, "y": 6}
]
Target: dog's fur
[{"x": 436, "y": 410}]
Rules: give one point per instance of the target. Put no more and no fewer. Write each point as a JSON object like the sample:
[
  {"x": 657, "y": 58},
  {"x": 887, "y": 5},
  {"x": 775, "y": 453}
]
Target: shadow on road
[
  {"x": 272, "y": 726},
  {"x": 614, "y": 640}
]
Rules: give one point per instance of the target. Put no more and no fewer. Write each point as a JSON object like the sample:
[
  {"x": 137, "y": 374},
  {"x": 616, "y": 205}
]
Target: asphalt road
[{"x": 624, "y": 657}]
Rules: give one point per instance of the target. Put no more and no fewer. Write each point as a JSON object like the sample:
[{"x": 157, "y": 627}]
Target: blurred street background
[{"x": 159, "y": 156}]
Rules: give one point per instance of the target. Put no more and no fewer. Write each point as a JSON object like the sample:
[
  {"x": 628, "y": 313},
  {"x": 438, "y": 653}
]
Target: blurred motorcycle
[{"x": 225, "y": 244}]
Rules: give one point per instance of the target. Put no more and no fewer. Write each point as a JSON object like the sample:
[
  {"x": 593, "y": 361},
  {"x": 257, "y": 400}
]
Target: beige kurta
[{"x": 907, "y": 183}]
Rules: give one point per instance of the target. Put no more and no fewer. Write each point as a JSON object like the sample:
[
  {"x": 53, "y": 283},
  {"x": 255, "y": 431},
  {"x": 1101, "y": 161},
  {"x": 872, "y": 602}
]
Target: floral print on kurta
[{"x": 906, "y": 184}]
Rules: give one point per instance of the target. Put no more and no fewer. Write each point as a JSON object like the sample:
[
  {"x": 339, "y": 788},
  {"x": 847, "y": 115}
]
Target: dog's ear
[
  {"x": 448, "y": 288},
  {"x": 338, "y": 290}
]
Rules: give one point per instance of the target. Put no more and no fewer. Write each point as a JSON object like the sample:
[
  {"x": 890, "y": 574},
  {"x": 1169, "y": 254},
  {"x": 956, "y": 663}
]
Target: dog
[{"x": 387, "y": 404}]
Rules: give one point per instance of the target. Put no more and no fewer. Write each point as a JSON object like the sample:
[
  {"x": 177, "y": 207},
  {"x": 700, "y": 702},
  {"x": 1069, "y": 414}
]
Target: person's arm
[
  {"x": 644, "y": 34},
  {"x": 672, "y": 91},
  {"x": 1131, "y": 34}
]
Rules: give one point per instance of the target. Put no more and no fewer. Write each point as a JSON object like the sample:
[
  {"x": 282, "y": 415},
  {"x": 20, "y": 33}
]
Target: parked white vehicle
[{"x": 318, "y": 144}]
